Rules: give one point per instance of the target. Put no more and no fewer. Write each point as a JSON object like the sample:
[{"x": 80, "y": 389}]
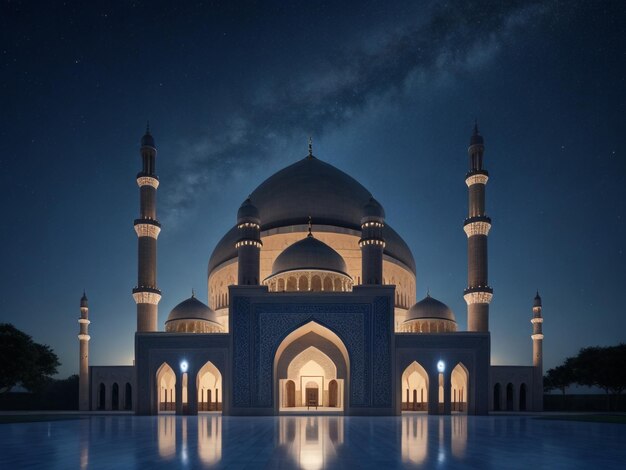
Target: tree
[
  {"x": 22, "y": 361},
  {"x": 560, "y": 377}
]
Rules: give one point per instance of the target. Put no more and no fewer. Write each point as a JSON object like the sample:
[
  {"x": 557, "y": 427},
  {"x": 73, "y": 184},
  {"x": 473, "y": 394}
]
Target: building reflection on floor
[
  {"x": 209, "y": 433},
  {"x": 446, "y": 432},
  {"x": 313, "y": 442}
]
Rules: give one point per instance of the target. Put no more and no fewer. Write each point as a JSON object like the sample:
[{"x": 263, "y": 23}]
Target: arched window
[
  {"x": 115, "y": 397},
  {"x": 101, "y": 397},
  {"x": 128, "y": 397}
]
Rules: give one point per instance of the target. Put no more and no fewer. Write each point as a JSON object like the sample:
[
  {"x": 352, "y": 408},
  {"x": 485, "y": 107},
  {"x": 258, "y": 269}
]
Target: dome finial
[
  {"x": 310, "y": 147},
  {"x": 310, "y": 227},
  {"x": 147, "y": 127},
  {"x": 428, "y": 292},
  {"x": 476, "y": 126},
  {"x": 193, "y": 293}
]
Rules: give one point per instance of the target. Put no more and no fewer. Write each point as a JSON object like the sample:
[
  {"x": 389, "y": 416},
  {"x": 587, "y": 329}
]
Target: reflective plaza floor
[{"x": 312, "y": 442}]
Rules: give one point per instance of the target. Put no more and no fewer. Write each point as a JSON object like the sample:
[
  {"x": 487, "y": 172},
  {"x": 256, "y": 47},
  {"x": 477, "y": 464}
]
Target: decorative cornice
[
  {"x": 84, "y": 337},
  {"x": 477, "y": 228},
  {"x": 147, "y": 230},
  {"x": 476, "y": 178},
  {"x": 478, "y": 297}
]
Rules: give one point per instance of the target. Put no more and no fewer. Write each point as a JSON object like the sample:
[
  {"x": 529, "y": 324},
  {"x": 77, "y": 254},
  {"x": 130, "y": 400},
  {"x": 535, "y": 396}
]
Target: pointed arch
[
  {"x": 209, "y": 387},
  {"x": 311, "y": 353},
  {"x": 459, "y": 383},
  {"x": 166, "y": 388},
  {"x": 415, "y": 388}
]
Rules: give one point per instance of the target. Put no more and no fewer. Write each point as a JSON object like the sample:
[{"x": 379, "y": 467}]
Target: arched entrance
[
  {"x": 459, "y": 381},
  {"x": 311, "y": 371},
  {"x": 102, "y": 397},
  {"x": 415, "y": 388},
  {"x": 497, "y": 390},
  {"x": 209, "y": 386},
  {"x": 333, "y": 393},
  {"x": 166, "y": 387},
  {"x": 128, "y": 397},
  {"x": 290, "y": 394},
  {"x": 115, "y": 397},
  {"x": 509, "y": 397},
  {"x": 522, "y": 397}
]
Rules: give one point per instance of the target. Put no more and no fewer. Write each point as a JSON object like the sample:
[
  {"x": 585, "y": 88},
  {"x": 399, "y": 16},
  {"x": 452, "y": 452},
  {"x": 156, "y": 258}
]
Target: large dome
[
  {"x": 309, "y": 254},
  {"x": 311, "y": 188}
]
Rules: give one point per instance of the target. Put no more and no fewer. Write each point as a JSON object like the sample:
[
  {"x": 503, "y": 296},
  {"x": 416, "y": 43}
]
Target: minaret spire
[
  {"x": 147, "y": 295},
  {"x": 310, "y": 147},
  {"x": 310, "y": 227},
  {"x": 478, "y": 294},
  {"x": 83, "y": 358},
  {"x": 537, "y": 337}
]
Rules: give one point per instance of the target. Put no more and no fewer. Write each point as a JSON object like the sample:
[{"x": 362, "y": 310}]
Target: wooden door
[{"x": 312, "y": 395}]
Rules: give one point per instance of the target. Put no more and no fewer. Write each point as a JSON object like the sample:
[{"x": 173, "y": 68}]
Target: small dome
[
  {"x": 428, "y": 308},
  {"x": 192, "y": 309},
  {"x": 372, "y": 210},
  {"x": 310, "y": 254},
  {"x": 248, "y": 213}
]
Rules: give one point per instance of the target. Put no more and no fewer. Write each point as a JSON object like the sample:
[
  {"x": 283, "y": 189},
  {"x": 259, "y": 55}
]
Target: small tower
[
  {"x": 537, "y": 337},
  {"x": 248, "y": 244},
  {"x": 478, "y": 294},
  {"x": 146, "y": 294},
  {"x": 83, "y": 359},
  {"x": 372, "y": 243}
]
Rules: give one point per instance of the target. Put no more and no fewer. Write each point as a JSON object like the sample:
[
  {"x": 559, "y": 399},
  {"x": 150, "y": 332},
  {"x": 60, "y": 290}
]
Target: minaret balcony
[
  {"x": 143, "y": 180},
  {"x": 477, "y": 227},
  {"x": 146, "y": 295},
  {"x": 147, "y": 228},
  {"x": 478, "y": 295},
  {"x": 476, "y": 177}
]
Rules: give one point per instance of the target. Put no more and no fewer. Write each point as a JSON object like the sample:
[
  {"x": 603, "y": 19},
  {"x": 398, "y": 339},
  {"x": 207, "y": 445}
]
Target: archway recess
[
  {"x": 311, "y": 371},
  {"x": 166, "y": 387},
  {"x": 209, "y": 386},
  {"x": 415, "y": 388},
  {"x": 459, "y": 382}
]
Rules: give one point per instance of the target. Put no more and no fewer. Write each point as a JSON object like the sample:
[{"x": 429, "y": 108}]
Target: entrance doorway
[{"x": 415, "y": 388}]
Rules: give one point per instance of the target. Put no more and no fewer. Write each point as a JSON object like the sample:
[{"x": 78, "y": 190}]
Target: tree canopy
[
  {"x": 22, "y": 361},
  {"x": 596, "y": 366}
]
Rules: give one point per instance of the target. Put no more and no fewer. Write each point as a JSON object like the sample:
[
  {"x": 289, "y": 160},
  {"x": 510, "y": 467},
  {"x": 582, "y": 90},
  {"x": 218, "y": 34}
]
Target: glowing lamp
[
  {"x": 184, "y": 366},
  {"x": 441, "y": 366}
]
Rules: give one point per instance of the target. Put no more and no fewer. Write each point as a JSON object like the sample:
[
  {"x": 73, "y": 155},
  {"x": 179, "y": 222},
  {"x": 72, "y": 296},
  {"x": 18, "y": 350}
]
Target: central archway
[{"x": 311, "y": 371}]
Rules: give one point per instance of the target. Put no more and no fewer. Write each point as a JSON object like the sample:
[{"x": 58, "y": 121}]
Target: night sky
[{"x": 388, "y": 90}]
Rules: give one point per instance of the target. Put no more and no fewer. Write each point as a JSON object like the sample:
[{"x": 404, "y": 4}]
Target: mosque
[{"x": 312, "y": 309}]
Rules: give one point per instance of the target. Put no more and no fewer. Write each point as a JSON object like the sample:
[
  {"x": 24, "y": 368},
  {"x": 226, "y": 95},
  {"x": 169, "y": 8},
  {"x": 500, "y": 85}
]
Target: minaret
[
  {"x": 478, "y": 293},
  {"x": 372, "y": 243},
  {"x": 537, "y": 337},
  {"x": 146, "y": 294},
  {"x": 248, "y": 244},
  {"x": 83, "y": 359}
]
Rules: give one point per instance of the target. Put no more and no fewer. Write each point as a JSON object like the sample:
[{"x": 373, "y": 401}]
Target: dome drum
[
  {"x": 305, "y": 280},
  {"x": 429, "y": 315}
]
